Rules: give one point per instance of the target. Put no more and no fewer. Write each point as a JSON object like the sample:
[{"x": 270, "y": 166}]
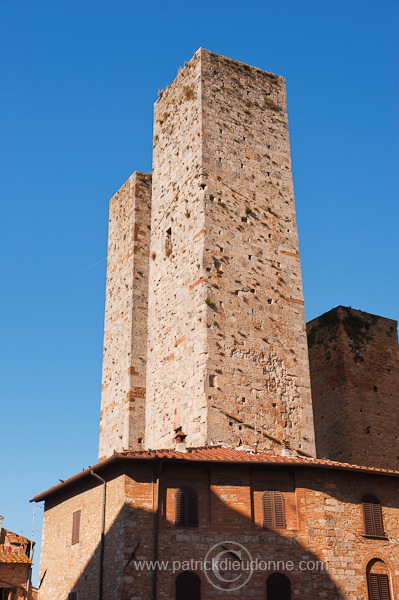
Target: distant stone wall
[
  {"x": 122, "y": 420},
  {"x": 354, "y": 365},
  {"x": 227, "y": 345}
]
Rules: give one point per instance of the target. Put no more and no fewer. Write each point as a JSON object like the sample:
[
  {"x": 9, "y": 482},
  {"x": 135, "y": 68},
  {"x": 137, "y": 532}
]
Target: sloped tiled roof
[
  {"x": 216, "y": 454},
  {"x": 14, "y": 557},
  {"x": 234, "y": 455}
]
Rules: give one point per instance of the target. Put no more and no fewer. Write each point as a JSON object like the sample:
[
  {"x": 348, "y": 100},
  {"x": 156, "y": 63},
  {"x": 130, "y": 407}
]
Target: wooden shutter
[
  {"x": 186, "y": 508},
  {"x": 278, "y": 587},
  {"x": 384, "y": 587},
  {"x": 379, "y": 587},
  {"x": 191, "y": 508},
  {"x": 374, "y": 587},
  {"x": 279, "y": 512},
  {"x": 372, "y": 514},
  {"x": 188, "y": 586},
  {"x": 75, "y": 527},
  {"x": 273, "y": 510},
  {"x": 179, "y": 521},
  {"x": 267, "y": 510},
  {"x": 377, "y": 517},
  {"x": 368, "y": 518}
]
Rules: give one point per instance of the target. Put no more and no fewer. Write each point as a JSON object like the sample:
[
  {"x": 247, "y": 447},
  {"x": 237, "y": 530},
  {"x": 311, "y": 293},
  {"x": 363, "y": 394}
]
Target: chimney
[
  {"x": 243, "y": 445},
  {"x": 180, "y": 440},
  {"x": 1, "y": 523},
  {"x": 285, "y": 448}
]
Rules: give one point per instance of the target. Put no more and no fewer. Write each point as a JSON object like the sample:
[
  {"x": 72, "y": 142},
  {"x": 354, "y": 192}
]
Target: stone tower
[
  {"x": 125, "y": 329},
  {"x": 226, "y": 345},
  {"x": 227, "y": 355},
  {"x": 354, "y": 360}
]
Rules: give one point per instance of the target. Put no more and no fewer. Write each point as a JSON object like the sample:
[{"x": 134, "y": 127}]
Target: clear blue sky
[{"x": 78, "y": 83}]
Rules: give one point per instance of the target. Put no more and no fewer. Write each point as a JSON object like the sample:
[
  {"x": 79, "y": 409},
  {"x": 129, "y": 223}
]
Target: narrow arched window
[
  {"x": 372, "y": 516},
  {"x": 378, "y": 580},
  {"x": 188, "y": 586},
  {"x": 273, "y": 510},
  {"x": 278, "y": 587},
  {"x": 186, "y": 507}
]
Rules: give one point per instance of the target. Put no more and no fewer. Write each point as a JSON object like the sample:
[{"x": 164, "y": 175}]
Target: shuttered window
[
  {"x": 186, "y": 507},
  {"x": 372, "y": 516},
  {"x": 75, "y": 527},
  {"x": 379, "y": 587},
  {"x": 188, "y": 586},
  {"x": 273, "y": 510},
  {"x": 278, "y": 587}
]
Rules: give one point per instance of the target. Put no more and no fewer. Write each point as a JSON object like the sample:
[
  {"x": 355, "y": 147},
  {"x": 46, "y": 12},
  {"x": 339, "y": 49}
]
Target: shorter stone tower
[
  {"x": 125, "y": 331},
  {"x": 354, "y": 360}
]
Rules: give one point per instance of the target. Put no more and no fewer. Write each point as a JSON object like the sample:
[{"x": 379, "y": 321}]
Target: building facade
[
  {"x": 320, "y": 536},
  {"x": 220, "y": 474},
  {"x": 16, "y": 553},
  {"x": 354, "y": 358}
]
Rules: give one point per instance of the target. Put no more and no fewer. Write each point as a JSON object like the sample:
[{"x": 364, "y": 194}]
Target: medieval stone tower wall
[
  {"x": 122, "y": 420},
  {"x": 354, "y": 360},
  {"x": 227, "y": 356}
]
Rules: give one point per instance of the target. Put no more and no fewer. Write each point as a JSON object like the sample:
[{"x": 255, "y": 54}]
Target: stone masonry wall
[
  {"x": 257, "y": 367},
  {"x": 323, "y": 537},
  {"x": 63, "y": 563},
  {"x": 177, "y": 314},
  {"x": 324, "y": 525},
  {"x": 122, "y": 420},
  {"x": 227, "y": 345},
  {"x": 354, "y": 360}
]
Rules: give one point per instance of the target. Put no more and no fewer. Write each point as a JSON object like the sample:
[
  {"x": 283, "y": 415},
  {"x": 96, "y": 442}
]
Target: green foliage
[{"x": 188, "y": 92}]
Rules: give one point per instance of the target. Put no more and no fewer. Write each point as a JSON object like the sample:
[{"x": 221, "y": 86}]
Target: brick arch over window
[
  {"x": 372, "y": 516},
  {"x": 188, "y": 586},
  {"x": 278, "y": 587},
  {"x": 378, "y": 580},
  {"x": 186, "y": 507},
  {"x": 273, "y": 509}
]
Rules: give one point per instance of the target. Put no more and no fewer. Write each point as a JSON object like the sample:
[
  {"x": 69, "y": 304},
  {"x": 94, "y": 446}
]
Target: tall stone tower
[{"x": 227, "y": 355}]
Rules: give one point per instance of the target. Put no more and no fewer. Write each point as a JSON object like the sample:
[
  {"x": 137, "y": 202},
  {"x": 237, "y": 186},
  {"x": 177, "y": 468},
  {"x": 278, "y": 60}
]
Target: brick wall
[
  {"x": 15, "y": 576},
  {"x": 323, "y": 523},
  {"x": 64, "y": 566}
]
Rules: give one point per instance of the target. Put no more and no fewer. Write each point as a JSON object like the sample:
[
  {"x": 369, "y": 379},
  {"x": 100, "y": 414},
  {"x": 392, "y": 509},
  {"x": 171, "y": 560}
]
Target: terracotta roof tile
[
  {"x": 14, "y": 557},
  {"x": 217, "y": 454}
]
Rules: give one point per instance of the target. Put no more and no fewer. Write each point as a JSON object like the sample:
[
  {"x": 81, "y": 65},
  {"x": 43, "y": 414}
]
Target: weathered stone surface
[
  {"x": 225, "y": 277},
  {"x": 323, "y": 537},
  {"x": 122, "y": 420},
  {"x": 354, "y": 364}
]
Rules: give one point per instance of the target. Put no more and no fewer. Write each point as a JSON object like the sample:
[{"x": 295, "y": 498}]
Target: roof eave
[{"x": 158, "y": 458}]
